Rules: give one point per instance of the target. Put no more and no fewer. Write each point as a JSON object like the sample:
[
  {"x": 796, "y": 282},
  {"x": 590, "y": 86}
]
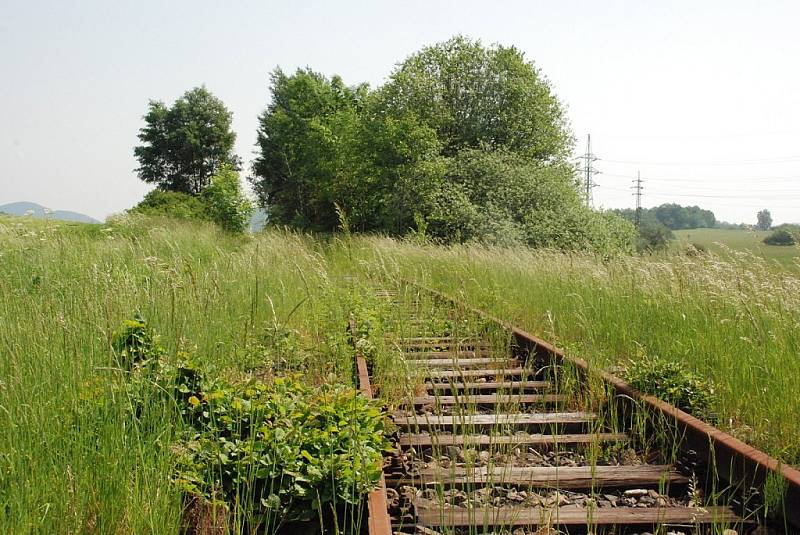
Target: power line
[
  {"x": 714, "y": 202},
  {"x": 761, "y": 161},
  {"x": 784, "y": 133},
  {"x": 704, "y": 179},
  {"x": 711, "y": 200},
  {"x": 717, "y": 204},
  {"x": 667, "y": 193},
  {"x": 703, "y": 185},
  {"x": 737, "y": 194},
  {"x": 745, "y": 192}
]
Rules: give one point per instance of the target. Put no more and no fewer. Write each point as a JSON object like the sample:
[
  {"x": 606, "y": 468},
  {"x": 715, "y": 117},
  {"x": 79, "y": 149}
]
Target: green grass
[
  {"x": 728, "y": 243},
  {"x": 732, "y": 321},
  {"x": 68, "y": 464},
  {"x": 71, "y": 466}
]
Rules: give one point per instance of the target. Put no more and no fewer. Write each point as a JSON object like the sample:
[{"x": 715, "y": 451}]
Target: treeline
[
  {"x": 673, "y": 216},
  {"x": 463, "y": 143}
]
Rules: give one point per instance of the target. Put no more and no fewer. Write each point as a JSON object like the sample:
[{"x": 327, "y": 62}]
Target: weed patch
[
  {"x": 672, "y": 382},
  {"x": 266, "y": 454}
]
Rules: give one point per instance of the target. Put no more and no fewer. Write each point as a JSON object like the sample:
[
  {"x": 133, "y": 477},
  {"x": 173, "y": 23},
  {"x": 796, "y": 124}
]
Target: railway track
[{"x": 499, "y": 432}]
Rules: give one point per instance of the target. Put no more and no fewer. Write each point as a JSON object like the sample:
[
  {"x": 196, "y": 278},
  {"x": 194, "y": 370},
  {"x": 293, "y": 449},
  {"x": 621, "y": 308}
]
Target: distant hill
[{"x": 38, "y": 211}]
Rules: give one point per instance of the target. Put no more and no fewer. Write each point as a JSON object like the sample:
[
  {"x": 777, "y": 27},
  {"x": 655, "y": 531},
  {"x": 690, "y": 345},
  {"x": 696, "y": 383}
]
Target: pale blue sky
[{"x": 702, "y": 97}]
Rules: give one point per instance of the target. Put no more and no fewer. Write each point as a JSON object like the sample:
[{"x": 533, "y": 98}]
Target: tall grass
[
  {"x": 735, "y": 321},
  {"x": 71, "y": 458}
]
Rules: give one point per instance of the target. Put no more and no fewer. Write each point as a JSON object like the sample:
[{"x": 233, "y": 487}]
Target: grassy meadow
[
  {"x": 72, "y": 459},
  {"x": 733, "y": 320},
  {"x": 726, "y": 242}
]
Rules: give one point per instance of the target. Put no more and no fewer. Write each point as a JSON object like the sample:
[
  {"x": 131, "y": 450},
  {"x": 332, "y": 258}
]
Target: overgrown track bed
[{"x": 499, "y": 432}]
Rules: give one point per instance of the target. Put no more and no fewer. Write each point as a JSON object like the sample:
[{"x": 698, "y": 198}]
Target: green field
[
  {"x": 98, "y": 455},
  {"x": 728, "y": 242}
]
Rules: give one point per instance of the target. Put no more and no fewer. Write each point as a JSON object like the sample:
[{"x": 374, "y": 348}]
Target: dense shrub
[
  {"x": 502, "y": 198},
  {"x": 653, "y": 237},
  {"x": 222, "y": 202},
  {"x": 580, "y": 229},
  {"x": 780, "y": 236},
  {"x": 226, "y": 203},
  {"x": 672, "y": 382},
  {"x": 171, "y": 204}
]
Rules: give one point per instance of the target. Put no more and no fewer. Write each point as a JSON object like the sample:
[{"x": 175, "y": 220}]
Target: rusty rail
[
  {"x": 733, "y": 460},
  {"x": 378, "y": 520}
]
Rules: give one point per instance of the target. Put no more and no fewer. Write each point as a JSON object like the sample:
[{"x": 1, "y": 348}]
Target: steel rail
[
  {"x": 378, "y": 520},
  {"x": 733, "y": 460}
]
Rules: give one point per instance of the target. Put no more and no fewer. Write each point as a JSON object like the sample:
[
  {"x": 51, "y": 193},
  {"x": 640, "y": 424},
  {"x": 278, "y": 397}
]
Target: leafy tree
[
  {"x": 303, "y": 135},
  {"x": 704, "y": 218},
  {"x": 764, "y": 220},
  {"x": 478, "y": 97},
  {"x": 464, "y": 143},
  {"x": 225, "y": 201},
  {"x": 183, "y": 146},
  {"x": 646, "y": 215},
  {"x": 398, "y": 169}
]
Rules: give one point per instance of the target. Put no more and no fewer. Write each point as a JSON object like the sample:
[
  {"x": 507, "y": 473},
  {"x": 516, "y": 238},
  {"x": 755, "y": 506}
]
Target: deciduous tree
[
  {"x": 764, "y": 220},
  {"x": 463, "y": 143},
  {"x": 304, "y": 136},
  {"x": 184, "y": 145},
  {"x": 480, "y": 97}
]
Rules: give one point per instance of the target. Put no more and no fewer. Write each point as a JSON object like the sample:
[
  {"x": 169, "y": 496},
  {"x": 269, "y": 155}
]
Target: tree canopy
[
  {"x": 305, "y": 138},
  {"x": 184, "y": 145},
  {"x": 477, "y": 97},
  {"x": 764, "y": 220},
  {"x": 464, "y": 141}
]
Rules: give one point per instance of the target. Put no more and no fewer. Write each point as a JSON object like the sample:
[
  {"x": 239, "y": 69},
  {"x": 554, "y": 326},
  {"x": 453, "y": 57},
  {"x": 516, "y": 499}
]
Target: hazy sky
[{"x": 702, "y": 97}]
